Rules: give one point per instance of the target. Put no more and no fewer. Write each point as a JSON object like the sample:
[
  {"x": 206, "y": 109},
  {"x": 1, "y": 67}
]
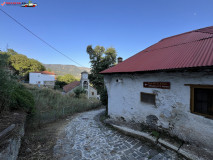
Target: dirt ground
[
  {"x": 8, "y": 118},
  {"x": 38, "y": 143}
]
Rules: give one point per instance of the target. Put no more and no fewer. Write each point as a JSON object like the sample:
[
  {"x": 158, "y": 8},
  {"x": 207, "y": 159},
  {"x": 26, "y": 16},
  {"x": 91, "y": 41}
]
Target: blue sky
[{"x": 70, "y": 25}]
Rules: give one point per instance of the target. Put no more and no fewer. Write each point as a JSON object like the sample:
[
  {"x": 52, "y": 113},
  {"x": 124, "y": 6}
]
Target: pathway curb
[{"x": 162, "y": 142}]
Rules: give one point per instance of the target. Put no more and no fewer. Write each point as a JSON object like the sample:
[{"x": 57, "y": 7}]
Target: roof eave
[{"x": 199, "y": 68}]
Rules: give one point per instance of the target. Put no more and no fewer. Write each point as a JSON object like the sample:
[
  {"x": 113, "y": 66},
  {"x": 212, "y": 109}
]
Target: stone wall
[
  {"x": 11, "y": 139},
  {"x": 172, "y": 109},
  {"x": 94, "y": 92}
]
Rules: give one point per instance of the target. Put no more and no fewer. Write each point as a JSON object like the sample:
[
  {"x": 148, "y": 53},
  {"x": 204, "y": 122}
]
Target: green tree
[
  {"x": 100, "y": 59},
  {"x": 67, "y": 78},
  {"x": 11, "y": 52},
  {"x": 78, "y": 91},
  {"x": 24, "y": 65},
  {"x": 36, "y": 65},
  {"x": 60, "y": 84},
  {"x": 12, "y": 94}
]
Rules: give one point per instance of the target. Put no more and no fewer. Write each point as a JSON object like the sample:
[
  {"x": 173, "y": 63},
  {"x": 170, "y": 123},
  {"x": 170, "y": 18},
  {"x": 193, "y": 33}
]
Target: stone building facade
[
  {"x": 168, "y": 86},
  {"x": 84, "y": 83}
]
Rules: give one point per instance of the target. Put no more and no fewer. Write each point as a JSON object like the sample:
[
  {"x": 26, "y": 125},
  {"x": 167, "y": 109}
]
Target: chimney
[{"x": 120, "y": 59}]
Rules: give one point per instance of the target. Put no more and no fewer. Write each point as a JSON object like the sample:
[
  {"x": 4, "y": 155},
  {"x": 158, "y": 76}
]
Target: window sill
[{"x": 203, "y": 115}]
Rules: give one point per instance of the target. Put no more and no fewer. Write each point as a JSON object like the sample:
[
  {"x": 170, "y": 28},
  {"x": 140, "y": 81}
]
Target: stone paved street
[{"x": 85, "y": 137}]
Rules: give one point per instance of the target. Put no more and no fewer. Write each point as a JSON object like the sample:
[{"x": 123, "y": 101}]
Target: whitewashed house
[
  {"x": 83, "y": 83},
  {"x": 42, "y": 78},
  {"x": 168, "y": 86}
]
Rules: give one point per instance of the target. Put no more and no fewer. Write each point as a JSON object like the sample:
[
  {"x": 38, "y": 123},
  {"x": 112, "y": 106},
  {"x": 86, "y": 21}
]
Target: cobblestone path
[{"x": 85, "y": 137}]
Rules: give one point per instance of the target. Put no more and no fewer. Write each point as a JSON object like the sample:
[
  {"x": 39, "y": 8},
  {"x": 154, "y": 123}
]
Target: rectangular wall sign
[{"x": 162, "y": 85}]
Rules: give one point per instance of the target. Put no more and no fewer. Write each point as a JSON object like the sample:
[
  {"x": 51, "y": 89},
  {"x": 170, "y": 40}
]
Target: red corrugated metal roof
[
  {"x": 191, "y": 49},
  {"x": 205, "y": 30}
]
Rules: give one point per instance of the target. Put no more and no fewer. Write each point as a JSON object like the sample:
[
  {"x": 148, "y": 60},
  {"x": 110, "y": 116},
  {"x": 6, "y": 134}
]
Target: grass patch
[
  {"x": 156, "y": 134},
  {"x": 51, "y": 105},
  {"x": 103, "y": 116}
]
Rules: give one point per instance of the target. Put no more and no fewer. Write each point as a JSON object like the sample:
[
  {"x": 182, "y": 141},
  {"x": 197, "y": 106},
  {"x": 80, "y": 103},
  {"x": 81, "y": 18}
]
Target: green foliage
[
  {"x": 11, "y": 52},
  {"x": 21, "y": 64},
  {"x": 22, "y": 99},
  {"x": 100, "y": 59},
  {"x": 6, "y": 84},
  {"x": 52, "y": 105},
  {"x": 60, "y": 84},
  {"x": 156, "y": 134},
  {"x": 104, "y": 97},
  {"x": 68, "y": 78},
  {"x": 12, "y": 94},
  {"x": 24, "y": 65},
  {"x": 78, "y": 91},
  {"x": 64, "y": 80}
]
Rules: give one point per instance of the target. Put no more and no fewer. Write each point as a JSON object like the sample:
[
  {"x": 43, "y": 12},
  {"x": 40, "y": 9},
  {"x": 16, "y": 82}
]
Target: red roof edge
[{"x": 45, "y": 72}]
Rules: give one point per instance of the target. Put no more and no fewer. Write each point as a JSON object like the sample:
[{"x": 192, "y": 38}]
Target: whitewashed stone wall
[
  {"x": 172, "y": 107},
  {"x": 94, "y": 91},
  {"x": 34, "y": 78}
]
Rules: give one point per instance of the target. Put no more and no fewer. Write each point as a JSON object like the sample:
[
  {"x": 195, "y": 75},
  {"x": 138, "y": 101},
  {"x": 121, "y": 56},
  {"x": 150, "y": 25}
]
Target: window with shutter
[
  {"x": 202, "y": 100},
  {"x": 148, "y": 98}
]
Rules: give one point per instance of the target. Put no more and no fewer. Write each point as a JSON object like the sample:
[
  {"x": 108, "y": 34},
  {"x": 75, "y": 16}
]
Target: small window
[
  {"x": 148, "y": 98},
  {"x": 202, "y": 100},
  {"x": 93, "y": 93}
]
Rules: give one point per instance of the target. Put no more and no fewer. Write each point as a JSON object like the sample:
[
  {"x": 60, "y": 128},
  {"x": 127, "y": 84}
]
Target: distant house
[
  {"x": 42, "y": 78},
  {"x": 84, "y": 83},
  {"x": 168, "y": 86}
]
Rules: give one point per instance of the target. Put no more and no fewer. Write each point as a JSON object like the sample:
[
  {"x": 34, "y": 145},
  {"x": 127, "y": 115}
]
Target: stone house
[
  {"x": 45, "y": 78},
  {"x": 168, "y": 86},
  {"x": 84, "y": 83}
]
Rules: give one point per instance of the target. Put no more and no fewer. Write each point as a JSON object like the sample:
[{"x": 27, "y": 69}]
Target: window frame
[
  {"x": 85, "y": 85},
  {"x": 192, "y": 87},
  {"x": 148, "y": 94}
]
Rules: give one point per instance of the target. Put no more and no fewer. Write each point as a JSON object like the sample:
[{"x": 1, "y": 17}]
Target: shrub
[
  {"x": 83, "y": 96},
  {"x": 72, "y": 95},
  {"x": 5, "y": 90},
  {"x": 57, "y": 87},
  {"x": 12, "y": 94},
  {"x": 22, "y": 99},
  {"x": 104, "y": 97},
  {"x": 60, "y": 84},
  {"x": 51, "y": 105},
  {"x": 78, "y": 91}
]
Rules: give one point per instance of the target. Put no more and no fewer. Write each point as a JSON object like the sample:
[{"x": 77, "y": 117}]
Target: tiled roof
[
  {"x": 71, "y": 86},
  {"x": 190, "y": 49},
  {"x": 45, "y": 72}
]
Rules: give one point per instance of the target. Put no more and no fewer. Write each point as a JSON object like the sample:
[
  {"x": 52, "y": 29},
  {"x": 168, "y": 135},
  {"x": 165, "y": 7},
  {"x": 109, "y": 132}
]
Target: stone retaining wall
[{"x": 10, "y": 138}]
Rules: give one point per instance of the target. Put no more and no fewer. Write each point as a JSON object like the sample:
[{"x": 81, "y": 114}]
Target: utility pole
[{"x": 7, "y": 47}]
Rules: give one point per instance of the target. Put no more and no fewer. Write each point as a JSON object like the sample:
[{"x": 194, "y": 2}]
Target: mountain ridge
[{"x": 62, "y": 69}]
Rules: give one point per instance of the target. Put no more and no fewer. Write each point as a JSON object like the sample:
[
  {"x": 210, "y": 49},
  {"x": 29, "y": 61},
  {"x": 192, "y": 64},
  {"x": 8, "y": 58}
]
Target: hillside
[{"x": 60, "y": 69}]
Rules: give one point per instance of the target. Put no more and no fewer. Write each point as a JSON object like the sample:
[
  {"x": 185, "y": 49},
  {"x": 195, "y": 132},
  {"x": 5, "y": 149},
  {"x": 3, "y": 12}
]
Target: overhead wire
[{"x": 40, "y": 38}]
